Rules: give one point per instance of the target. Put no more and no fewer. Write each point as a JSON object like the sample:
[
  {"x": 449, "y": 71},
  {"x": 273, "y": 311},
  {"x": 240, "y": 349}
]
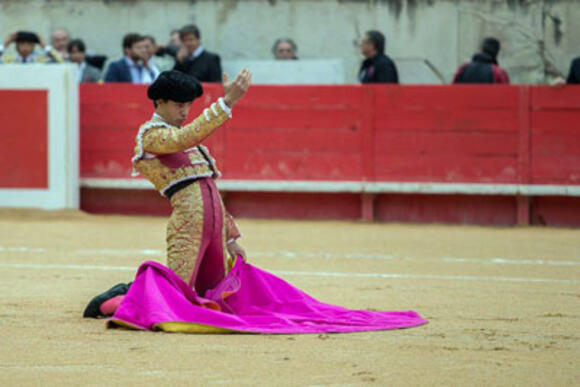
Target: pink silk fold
[{"x": 249, "y": 300}]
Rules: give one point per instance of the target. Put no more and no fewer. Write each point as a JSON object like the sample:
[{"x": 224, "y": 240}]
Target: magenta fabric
[
  {"x": 248, "y": 299},
  {"x": 210, "y": 265}
]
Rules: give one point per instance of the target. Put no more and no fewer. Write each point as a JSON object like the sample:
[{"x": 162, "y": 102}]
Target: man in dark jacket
[
  {"x": 193, "y": 59},
  {"x": 377, "y": 67},
  {"x": 574, "y": 76},
  {"x": 131, "y": 67},
  {"x": 483, "y": 68}
]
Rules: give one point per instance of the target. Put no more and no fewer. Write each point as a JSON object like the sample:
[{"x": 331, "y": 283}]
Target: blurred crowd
[{"x": 143, "y": 59}]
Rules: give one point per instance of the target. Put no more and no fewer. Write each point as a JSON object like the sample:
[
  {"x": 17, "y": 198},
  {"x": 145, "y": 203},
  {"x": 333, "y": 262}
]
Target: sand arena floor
[{"x": 503, "y": 305}]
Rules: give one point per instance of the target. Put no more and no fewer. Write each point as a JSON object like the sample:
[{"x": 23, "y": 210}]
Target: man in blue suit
[{"x": 131, "y": 68}]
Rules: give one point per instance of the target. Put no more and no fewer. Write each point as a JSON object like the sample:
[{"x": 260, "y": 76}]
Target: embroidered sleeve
[
  {"x": 232, "y": 231},
  {"x": 168, "y": 139}
]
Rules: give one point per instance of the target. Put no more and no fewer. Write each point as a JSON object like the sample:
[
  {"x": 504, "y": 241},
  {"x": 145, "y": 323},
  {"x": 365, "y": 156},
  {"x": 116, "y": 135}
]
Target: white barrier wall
[{"x": 40, "y": 104}]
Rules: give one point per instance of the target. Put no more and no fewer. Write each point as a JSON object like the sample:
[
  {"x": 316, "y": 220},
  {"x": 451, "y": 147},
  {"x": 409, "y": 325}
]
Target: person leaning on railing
[{"x": 25, "y": 49}]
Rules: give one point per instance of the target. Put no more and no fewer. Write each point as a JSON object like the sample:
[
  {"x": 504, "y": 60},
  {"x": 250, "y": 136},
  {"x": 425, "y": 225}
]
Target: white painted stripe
[
  {"x": 66, "y": 267},
  {"x": 304, "y": 255},
  {"x": 43, "y": 266},
  {"x": 358, "y": 187},
  {"x": 422, "y": 276}
]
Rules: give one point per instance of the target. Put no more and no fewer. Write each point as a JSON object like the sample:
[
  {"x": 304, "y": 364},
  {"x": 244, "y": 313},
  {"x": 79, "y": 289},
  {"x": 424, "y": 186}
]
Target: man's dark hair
[
  {"x": 130, "y": 39},
  {"x": 377, "y": 39},
  {"x": 150, "y": 38},
  {"x": 491, "y": 47},
  {"x": 189, "y": 29},
  {"x": 78, "y": 44}
]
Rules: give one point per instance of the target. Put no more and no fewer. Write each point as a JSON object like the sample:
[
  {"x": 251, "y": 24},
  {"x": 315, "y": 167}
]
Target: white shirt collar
[
  {"x": 130, "y": 62},
  {"x": 198, "y": 51},
  {"x": 81, "y": 70}
]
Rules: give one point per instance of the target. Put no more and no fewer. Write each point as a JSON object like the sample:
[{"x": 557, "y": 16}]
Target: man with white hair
[{"x": 59, "y": 40}]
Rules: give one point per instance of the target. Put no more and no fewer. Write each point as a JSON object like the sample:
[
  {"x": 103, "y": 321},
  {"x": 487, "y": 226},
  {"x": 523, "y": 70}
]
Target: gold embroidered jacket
[{"x": 166, "y": 154}]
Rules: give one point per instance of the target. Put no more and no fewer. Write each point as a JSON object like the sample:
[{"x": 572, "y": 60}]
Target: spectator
[
  {"x": 377, "y": 67},
  {"x": 193, "y": 59},
  {"x": 483, "y": 68},
  {"x": 25, "y": 45},
  {"x": 174, "y": 39},
  {"x": 59, "y": 41},
  {"x": 285, "y": 49},
  {"x": 131, "y": 67},
  {"x": 155, "y": 59},
  {"x": 574, "y": 75},
  {"x": 172, "y": 47},
  {"x": 77, "y": 54}
]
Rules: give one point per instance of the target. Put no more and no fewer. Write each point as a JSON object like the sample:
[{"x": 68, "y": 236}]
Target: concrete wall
[{"x": 538, "y": 36}]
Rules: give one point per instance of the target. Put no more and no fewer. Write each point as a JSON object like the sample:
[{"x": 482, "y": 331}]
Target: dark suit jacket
[
  {"x": 118, "y": 72},
  {"x": 90, "y": 74},
  {"x": 379, "y": 69},
  {"x": 206, "y": 67},
  {"x": 574, "y": 76}
]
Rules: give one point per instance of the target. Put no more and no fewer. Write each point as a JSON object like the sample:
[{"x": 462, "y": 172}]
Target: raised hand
[
  {"x": 9, "y": 39},
  {"x": 235, "y": 90}
]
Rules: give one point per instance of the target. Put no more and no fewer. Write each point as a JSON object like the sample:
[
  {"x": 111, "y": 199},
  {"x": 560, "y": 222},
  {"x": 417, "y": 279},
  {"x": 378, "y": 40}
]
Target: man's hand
[
  {"x": 181, "y": 54},
  {"x": 234, "y": 249},
  {"x": 9, "y": 39},
  {"x": 235, "y": 90},
  {"x": 41, "y": 41},
  {"x": 558, "y": 82}
]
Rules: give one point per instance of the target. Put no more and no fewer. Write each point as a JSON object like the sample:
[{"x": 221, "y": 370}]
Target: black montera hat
[
  {"x": 26, "y": 36},
  {"x": 175, "y": 86}
]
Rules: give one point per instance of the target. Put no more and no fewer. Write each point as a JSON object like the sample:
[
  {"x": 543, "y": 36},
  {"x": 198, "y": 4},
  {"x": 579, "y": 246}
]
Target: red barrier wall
[
  {"x": 25, "y": 139},
  {"x": 440, "y": 134}
]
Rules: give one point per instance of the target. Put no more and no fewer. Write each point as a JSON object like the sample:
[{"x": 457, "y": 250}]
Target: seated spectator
[
  {"x": 59, "y": 40},
  {"x": 285, "y": 49},
  {"x": 483, "y": 68},
  {"x": 131, "y": 68},
  {"x": 77, "y": 54},
  {"x": 193, "y": 59},
  {"x": 377, "y": 67},
  {"x": 25, "y": 53},
  {"x": 156, "y": 60}
]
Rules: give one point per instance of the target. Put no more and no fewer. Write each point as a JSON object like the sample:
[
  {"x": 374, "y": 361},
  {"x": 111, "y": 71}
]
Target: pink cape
[{"x": 248, "y": 299}]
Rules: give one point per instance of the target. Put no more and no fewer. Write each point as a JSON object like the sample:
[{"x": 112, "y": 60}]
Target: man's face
[
  {"x": 77, "y": 56},
  {"x": 284, "y": 51},
  {"x": 173, "y": 112},
  {"x": 59, "y": 40},
  {"x": 24, "y": 48},
  {"x": 149, "y": 48},
  {"x": 138, "y": 51},
  {"x": 174, "y": 39},
  {"x": 367, "y": 48},
  {"x": 190, "y": 42}
]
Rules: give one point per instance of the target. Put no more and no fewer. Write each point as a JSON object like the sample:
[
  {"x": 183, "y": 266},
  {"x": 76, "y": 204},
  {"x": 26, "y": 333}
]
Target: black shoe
[{"x": 93, "y": 309}]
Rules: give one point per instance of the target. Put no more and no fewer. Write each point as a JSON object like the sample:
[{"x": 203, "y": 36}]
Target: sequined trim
[{"x": 154, "y": 123}]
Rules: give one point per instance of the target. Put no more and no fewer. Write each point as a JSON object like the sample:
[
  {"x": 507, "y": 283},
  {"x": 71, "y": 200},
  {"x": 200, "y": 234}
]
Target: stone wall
[{"x": 539, "y": 37}]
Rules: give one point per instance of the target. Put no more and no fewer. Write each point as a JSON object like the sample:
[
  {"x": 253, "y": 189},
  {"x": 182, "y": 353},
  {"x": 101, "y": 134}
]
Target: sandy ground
[{"x": 503, "y": 305}]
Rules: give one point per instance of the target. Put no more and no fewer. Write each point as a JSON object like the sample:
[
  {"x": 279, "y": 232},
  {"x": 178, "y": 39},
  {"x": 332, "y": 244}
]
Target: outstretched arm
[{"x": 162, "y": 140}]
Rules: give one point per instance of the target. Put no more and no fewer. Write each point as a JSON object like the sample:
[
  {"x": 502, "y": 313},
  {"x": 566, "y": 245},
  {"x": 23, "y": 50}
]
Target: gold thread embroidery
[{"x": 185, "y": 231}]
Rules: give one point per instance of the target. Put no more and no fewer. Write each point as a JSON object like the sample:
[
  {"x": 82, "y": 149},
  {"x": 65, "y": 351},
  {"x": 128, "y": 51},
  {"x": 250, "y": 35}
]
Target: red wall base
[
  {"x": 556, "y": 211},
  {"x": 406, "y": 208}
]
